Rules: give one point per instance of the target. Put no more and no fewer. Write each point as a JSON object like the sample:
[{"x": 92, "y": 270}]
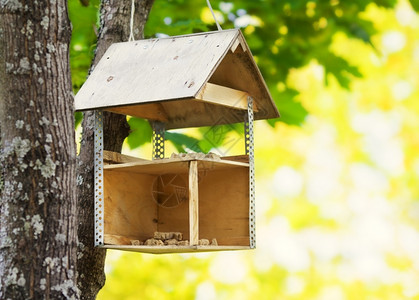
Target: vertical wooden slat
[{"x": 193, "y": 203}]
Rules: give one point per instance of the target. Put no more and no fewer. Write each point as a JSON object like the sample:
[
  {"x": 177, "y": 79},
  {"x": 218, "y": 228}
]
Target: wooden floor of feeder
[
  {"x": 174, "y": 249},
  {"x": 217, "y": 206}
]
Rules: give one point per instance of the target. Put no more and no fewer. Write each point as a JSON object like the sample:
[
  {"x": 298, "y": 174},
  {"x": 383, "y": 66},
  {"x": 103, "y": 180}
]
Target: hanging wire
[
  {"x": 131, "y": 23},
  {"x": 213, "y": 15}
]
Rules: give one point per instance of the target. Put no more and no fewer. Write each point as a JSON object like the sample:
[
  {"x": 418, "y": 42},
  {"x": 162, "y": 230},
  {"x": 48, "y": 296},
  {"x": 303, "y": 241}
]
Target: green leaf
[
  {"x": 415, "y": 5},
  {"x": 84, "y": 20},
  {"x": 215, "y": 136},
  {"x": 141, "y": 132},
  {"x": 183, "y": 141},
  {"x": 339, "y": 68},
  {"x": 291, "y": 111},
  {"x": 78, "y": 117}
]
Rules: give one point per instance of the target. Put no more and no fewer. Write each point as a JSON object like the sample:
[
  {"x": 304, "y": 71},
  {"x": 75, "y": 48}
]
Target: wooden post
[{"x": 193, "y": 203}]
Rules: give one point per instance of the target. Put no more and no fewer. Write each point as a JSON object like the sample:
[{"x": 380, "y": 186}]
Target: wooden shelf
[
  {"x": 174, "y": 249},
  {"x": 174, "y": 165}
]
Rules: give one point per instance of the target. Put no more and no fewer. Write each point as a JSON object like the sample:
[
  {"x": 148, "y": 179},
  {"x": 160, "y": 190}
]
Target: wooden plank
[
  {"x": 173, "y": 165},
  {"x": 225, "y": 96},
  {"x": 176, "y": 218},
  {"x": 239, "y": 71},
  {"x": 235, "y": 45},
  {"x": 196, "y": 113},
  {"x": 129, "y": 207},
  {"x": 224, "y": 207},
  {"x": 156, "y": 167},
  {"x": 113, "y": 239},
  {"x": 240, "y": 158},
  {"x": 174, "y": 249},
  {"x": 153, "y": 70},
  {"x": 193, "y": 204},
  {"x": 152, "y": 111},
  {"x": 110, "y": 157},
  {"x": 183, "y": 113},
  {"x": 239, "y": 41}
]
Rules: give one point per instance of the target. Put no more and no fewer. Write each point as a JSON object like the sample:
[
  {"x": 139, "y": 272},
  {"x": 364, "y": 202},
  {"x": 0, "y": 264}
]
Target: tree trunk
[
  {"x": 38, "y": 228},
  {"x": 114, "y": 27}
]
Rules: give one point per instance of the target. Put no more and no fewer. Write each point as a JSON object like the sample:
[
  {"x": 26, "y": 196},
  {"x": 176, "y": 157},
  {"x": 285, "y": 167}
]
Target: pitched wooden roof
[{"x": 185, "y": 81}]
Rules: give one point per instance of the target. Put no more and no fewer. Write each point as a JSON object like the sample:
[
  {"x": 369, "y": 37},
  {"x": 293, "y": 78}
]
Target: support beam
[
  {"x": 193, "y": 203},
  {"x": 220, "y": 95}
]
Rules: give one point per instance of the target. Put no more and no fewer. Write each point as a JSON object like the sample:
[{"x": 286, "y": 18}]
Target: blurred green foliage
[
  {"x": 83, "y": 41},
  {"x": 283, "y": 35},
  {"x": 85, "y": 22}
]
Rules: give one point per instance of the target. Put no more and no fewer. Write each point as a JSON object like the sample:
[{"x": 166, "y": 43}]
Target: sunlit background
[{"x": 337, "y": 198}]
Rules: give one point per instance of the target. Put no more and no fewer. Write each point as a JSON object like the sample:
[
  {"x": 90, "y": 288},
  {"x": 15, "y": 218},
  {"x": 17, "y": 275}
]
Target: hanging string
[
  {"x": 131, "y": 23},
  {"x": 213, "y": 15}
]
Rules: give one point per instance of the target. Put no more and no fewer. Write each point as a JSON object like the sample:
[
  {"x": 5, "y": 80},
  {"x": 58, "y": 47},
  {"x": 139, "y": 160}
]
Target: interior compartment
[{"x": 143, "y": 197}]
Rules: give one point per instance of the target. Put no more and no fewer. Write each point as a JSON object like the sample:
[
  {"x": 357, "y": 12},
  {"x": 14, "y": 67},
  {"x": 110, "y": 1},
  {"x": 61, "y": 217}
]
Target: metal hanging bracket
[
  {"x": 158, "y": 140},
  {"x": 249, "y": 150},
  {"x": 99, "y": 199}
]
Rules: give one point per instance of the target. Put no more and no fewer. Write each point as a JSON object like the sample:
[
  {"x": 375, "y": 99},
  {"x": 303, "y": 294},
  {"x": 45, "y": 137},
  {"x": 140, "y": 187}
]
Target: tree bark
[
  {"x": 114, "y": 27},
  {"x": 38, "y": 228}
]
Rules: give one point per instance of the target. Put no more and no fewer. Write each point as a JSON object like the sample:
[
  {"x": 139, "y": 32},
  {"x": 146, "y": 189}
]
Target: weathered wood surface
[
  {"x": 111, "y": 157},
  {"x": 174, "y": 249},
  {"x": 240, "y": 158},
  {"x": 173, "y": 165},
  {"x": 220, "y": 206},
  {"x": 221, "y": 95},
  {"x": 193, "y": 203},
  {"x": 129, "y": 206},
  {"x": 184, "y": 81},
  {"x": 224, "y": 206},
  {"x": 150, "y": 111},
  {"x": 154, "y": 70},
  {"x": 112, "y": 239}
]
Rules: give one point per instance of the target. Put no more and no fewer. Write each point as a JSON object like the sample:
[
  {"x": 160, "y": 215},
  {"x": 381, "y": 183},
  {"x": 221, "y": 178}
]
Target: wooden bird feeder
[{"x": 177, "y": 82}]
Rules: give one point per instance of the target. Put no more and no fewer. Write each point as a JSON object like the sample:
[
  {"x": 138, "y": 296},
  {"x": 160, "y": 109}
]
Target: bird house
[{"x": 185, "y": 203}]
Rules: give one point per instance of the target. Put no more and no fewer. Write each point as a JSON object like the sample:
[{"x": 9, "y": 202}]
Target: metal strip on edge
[
  {"x": 249, "y": 138},
  {"x": 99, "y": 202},
  {"x": 158, "y": 140}
]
